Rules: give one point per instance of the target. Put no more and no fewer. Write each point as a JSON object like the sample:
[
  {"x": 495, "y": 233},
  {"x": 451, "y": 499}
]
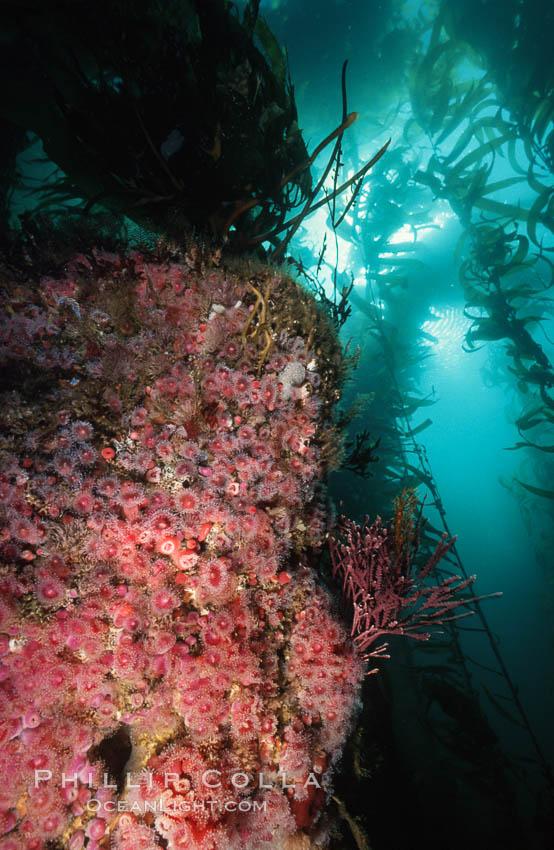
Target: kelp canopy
[{"x": 167, "y": 112}]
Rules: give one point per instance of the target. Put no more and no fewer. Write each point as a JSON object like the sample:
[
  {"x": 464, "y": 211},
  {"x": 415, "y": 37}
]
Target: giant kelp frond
[{"x": 506, "y": 272}]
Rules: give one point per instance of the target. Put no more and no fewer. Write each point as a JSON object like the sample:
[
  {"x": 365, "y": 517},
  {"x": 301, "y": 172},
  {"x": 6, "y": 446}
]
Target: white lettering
[
  {"x": 284, "y": 781},
  {"x": 261, "y": 781},
  {"x": 106, "y": 782},
  {"x": 42, "y": 776},
  {"x": 242, "y": 783},
  {"x": 312, "y": 780},
  {"x": 205, "y": 779},
  {"x": 129, "y": 783}
]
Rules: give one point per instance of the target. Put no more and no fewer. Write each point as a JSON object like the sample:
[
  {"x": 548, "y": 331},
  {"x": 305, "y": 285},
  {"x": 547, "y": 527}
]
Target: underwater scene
[{"x": 277, "y": 425}]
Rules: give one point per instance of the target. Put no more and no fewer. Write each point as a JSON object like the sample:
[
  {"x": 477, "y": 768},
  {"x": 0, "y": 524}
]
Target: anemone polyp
[{"x": 169, "y": 546}]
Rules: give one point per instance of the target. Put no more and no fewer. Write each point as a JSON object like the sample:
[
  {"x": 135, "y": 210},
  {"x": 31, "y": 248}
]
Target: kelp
[
  {"x": 503, "y": 307},
  {"x": 175, "y": 115},
  {"x": 505, "y": 275},
  {"x": 514, "y": 44},
  {"x": 360, "y": 453},
  {"x": 391, "y": 202},
  {"x": 461, "y": 176},
  {"x": 166, "y": 113},
  {"x": 538, "y": 491},
  {"x": 503, "y": 302}
]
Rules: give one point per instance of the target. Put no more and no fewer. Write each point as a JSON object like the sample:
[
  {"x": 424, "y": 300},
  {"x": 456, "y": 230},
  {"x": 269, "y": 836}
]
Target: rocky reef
[{"x": 172, "y": 673}]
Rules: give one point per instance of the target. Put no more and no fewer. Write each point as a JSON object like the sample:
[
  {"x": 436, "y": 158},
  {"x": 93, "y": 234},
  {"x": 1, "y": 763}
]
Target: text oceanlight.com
[{"x": 163, "y": 806}]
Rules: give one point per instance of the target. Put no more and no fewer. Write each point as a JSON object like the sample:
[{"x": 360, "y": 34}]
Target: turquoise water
[{"x": 504, "y": 532}]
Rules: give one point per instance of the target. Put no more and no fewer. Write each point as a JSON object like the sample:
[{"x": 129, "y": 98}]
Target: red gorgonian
[{"x": 390, "y": 595}]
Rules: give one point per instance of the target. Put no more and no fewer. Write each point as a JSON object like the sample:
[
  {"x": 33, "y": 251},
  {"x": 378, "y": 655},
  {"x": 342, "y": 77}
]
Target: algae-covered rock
[{"x": 172, "y": 673}]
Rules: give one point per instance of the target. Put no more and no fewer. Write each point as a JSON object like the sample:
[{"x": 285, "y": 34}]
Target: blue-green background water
[{"x": 504, "y": 532}]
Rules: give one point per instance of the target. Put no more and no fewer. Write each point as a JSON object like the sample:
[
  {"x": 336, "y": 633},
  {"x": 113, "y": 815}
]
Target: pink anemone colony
[{"x": 172, "y": 673}]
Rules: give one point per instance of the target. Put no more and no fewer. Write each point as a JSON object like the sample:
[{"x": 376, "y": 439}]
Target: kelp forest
[
  {"x": 446, "y": 252},
  {"x": 396, "y": 161}
]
